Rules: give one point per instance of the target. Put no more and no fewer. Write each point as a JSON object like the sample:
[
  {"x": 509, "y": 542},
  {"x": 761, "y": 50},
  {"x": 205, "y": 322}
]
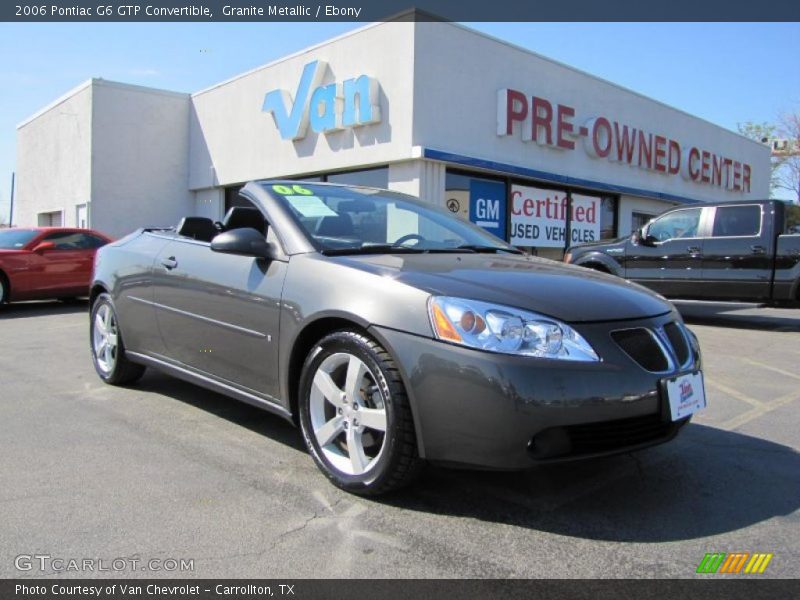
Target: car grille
[
  {"x": 593, "y": 438},
  {"x": 654, "y": 352},
  {"x": 601, "y": 438},
  {"x": 641, "y": 345},
  {"x": 678, "y": 341}
]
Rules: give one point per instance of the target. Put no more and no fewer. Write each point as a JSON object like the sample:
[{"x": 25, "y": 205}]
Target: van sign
[{"x": 327, "y": 108}]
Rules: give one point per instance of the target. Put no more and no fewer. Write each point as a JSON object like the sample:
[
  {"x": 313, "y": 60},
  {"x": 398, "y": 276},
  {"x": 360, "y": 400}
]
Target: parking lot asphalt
[{"x": 165, "y": 469}]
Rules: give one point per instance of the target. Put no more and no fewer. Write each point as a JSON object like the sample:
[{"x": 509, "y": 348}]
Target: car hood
[{"x": 565, "y": 292}]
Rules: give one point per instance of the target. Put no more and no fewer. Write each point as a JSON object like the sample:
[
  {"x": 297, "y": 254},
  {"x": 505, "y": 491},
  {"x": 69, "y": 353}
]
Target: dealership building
[{"x": 535, "y": 151}]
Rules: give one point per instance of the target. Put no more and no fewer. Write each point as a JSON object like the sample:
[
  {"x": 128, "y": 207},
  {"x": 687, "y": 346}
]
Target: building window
[
  {"x": 639, "y": 220},
  {"x": 50, "y": 219},
  {"x": 232, "y": 198},
  {"x": 378, "y": 178},
  {"x": 608, "y": 218}
]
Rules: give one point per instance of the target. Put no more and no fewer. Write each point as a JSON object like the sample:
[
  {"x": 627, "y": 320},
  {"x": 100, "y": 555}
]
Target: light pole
[{"x": 11, "y": 204}]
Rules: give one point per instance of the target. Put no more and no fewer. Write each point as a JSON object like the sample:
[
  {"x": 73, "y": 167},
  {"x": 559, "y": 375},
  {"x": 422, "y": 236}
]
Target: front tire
[
  {"x": 355, "y": 415},
  {"x": 107, "y": 347},
  {"x": 4, "y": 288}
]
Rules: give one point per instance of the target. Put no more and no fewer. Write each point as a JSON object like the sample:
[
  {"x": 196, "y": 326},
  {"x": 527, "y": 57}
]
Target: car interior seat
[
  {"x": 239, "y": 217},
  {"x": 197, "y": 228},
  {"x": 339, "y": 226}
]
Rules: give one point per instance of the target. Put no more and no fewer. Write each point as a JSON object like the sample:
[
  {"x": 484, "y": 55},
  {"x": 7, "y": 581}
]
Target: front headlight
[{"x": 506, "y": 330}]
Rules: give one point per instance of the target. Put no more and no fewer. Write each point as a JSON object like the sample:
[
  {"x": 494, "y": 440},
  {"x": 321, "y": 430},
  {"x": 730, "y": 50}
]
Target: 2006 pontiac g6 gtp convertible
[{"x": 394, "y": 333}]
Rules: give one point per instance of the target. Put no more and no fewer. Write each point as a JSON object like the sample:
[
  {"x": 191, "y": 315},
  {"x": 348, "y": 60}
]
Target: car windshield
[
  {"x": 13, "y": 239},
  {"x": 356, "y": 220}
]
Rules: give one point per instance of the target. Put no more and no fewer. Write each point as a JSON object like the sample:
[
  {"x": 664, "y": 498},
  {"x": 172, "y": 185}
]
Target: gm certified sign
[{"x": 326, "y": 108}]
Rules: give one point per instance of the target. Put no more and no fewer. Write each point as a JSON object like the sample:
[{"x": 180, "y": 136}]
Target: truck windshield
[
  {"x": 350, "y": 219},
  {"x": 14, "y": 239}
]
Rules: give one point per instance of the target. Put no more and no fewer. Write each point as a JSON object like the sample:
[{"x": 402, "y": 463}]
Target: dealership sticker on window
[{"x": 311, "y": 206}]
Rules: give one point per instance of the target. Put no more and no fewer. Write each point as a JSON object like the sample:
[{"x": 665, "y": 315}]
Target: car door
[
  {"x": 219, "y": 313},
  {"x": 60, "y": 269},
  {"x": 668, "y": 256},
  {"x": 737, "y": 255}
]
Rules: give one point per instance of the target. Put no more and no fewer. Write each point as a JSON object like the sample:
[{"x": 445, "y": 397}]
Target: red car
[{"x": 47, "y": 262}]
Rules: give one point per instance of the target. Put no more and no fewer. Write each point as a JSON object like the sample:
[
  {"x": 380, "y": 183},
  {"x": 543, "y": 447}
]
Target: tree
[
  {"x": 764, "y": 133},
  {"x": 788, "y": 176}
]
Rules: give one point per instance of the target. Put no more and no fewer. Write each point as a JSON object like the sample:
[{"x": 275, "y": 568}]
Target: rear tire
[
  {"x": 355, "y": 416},
  {"x": 107, "y": 346}
]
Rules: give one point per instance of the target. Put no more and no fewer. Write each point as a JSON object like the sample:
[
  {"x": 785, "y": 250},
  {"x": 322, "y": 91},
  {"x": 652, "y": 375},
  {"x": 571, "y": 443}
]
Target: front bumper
[{"x": 510, "y": 412}]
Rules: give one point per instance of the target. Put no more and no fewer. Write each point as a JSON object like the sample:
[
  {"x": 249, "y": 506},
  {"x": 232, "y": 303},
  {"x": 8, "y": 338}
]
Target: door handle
[
  {"x": 693, "y": 249},
  {"x": 169, "y": 263},
  {"x": 758, "y": 249}
]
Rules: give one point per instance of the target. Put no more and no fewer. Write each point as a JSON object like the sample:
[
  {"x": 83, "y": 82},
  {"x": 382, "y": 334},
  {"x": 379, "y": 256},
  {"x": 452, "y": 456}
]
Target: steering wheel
[{"x": 407, "y": 238}]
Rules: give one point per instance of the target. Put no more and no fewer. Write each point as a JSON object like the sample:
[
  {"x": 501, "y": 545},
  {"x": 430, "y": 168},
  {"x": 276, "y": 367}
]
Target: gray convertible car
[{"x": 394, "y": 333}]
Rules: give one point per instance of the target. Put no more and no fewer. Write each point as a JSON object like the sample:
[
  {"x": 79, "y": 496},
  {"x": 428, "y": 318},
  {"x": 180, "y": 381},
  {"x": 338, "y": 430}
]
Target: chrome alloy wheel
[
  {"x": 348, "y": 414},
  {"x": 105, "y": 338}
]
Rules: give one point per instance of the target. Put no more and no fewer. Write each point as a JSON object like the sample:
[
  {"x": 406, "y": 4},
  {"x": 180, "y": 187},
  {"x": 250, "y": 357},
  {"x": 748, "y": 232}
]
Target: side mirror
[
  {"x": 244, "y": 242},
  {"x": 44, "y": 247},
  {"x": 648, "y": 240},
  {"x": 641, "y": 236}
]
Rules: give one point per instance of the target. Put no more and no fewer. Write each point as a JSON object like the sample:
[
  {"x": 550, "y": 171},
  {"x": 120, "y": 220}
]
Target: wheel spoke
[
  {"x": 99, "y": 325},
  {"x": 329, "y": 390},
  {"x": 355, "y": 374},
  {"x": 374, "y": 418},
  {"x": 355, "y": 448},
  {"x": 107, "y": 319},
  {"x": 109, "y": 356},
  {"x": 101, "y": 348},
  {"x": 111, "y": 338},
  {"x": 328, "y": 432}
]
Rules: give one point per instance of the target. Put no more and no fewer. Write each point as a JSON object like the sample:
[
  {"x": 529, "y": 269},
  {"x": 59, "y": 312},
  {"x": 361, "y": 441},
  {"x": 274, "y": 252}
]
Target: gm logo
[
  {"x": 487, "y": 206},
  {"x": 487, "y": 209},
  {"x": 735, "y": 562},
  {"x": 326, "y": 108}
]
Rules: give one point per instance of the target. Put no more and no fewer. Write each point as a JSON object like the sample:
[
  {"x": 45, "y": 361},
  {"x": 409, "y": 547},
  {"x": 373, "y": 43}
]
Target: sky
[{"x": 726, "y": 73}]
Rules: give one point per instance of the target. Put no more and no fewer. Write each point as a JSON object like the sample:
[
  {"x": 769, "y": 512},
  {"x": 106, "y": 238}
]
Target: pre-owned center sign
[
  {"x": 538, "y": 217},
  {"x": 556, "y": 125}
]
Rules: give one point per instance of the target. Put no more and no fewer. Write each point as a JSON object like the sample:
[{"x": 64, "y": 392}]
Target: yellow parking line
[
  {"x": 771, "y": 368},
  {"x": 733, "y": 393},
  {"x": 759, "y": 411}
]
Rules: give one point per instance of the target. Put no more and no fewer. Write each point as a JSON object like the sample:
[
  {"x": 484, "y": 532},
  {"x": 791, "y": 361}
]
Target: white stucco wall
[
  {"x": 458, "y": 73},
  {"x": 122, "y": 149},
  {"x": 140, "y": 158},
  {"x": 54, "y": 159},
  {"x": 233, "y": 141}
]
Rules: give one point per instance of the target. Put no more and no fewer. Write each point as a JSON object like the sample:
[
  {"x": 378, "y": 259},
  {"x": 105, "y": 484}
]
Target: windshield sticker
[
  {"x": 311, "y": 206},
  {"x": 287, "y": 190}
]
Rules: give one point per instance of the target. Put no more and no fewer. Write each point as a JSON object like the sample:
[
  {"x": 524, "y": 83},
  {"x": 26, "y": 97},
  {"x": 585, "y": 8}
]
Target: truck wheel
[
  {"x": 108, "y": 349},
  {"x": 596, "y": 267},
  {"x": 355, "y": 415}
]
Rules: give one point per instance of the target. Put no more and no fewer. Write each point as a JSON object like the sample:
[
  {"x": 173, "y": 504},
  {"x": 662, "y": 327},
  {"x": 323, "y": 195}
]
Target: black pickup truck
[{"x": 745, "y": 251}]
